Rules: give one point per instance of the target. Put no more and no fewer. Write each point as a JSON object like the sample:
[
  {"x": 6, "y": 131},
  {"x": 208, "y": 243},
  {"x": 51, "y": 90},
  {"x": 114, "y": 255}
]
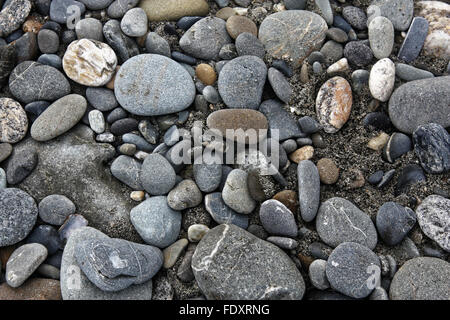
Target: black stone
[
  {"x": 47, "y": 236},
  {"x": 411, "y": 174},
  {"x": 377, "y": 120},
  {"x": 123, "y": 126}
]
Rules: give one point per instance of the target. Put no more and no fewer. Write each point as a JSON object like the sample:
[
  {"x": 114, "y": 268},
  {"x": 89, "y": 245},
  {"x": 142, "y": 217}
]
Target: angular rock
[{"x": 414, "y": 40}]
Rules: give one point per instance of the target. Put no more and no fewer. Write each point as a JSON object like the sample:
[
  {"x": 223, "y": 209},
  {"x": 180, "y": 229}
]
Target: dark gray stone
[
  {"x": 157, "y": 175},
  {"x": 20, "y": 165},
  {"x": 47, "y": 236},
  {"x": 358, "y": 53},
  {"x": 281, "y": 120},
  {"x": 277, "y": 219},
  {"x": 397, "y": 145},
  {"x": 89, "y": 28},
  {"x": 248, "y": 44},
  {"x": 8, "y": 56},
  {"x": 414, "y": 40},
  {"x": 295, "y": 4},
  {"x": 280, "y": 85},
  {"x": 337, "y": 35},
  {"x": 123, "y": 126},
  {"x": 208, "y": 176},
  {"x": 355, "y": 16},
  {"x": 48, "y": 41},
  {"x": 51, "y": 60},
  {"x": 221, "y": 213},
  {"x": 102, "y": 99},
  {"x": 308, "y": 189},
  {"x": 156, "y": 44},
  {"x": 394, "y": 222},
  {"x": 59, "y": 8},
  {"x": 55, "y": 208},
  {"x": 118, "y": 8},
  {"x": 411, "y": 73},
  {"x": 96, "y": 4},
  {"x": 117, "y": 114},
  {"x": 411, "y": 174},
  {"x": 124, "y": 46},
  {"x": 127, "y": 170}
]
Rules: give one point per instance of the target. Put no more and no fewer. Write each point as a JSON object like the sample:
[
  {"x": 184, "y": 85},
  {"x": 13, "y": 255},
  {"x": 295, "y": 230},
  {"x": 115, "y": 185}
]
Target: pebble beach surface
[{"x": 101, "y": 193}]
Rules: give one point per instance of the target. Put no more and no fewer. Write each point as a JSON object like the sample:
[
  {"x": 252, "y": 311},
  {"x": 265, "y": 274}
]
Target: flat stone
[
  {"x": 308, "y": 189},
  {"x": 420, "y": 102},
  {"x": 59, "y": 117},
  {"x": 235, "y": 193},
  {"x": 221, "y": 213},
  {"x": 382, "y": 79},
  {"x": 338, "y": 220},
  {"x": 241, "y": 82},
  {"x": 337, "y": 35},
  {"x": 13, "y": 121},
  {"x": 12, "y": 15},
  {"x": 432, "y": 215},
  {"x": 278, "y": 33},
  {"x": 127, "y": 170},
  {"x": 277, "y": 219},
  {"x": 23, "y": 262},
  {"x": 31, "y": 81},
  {"x": 55, "y": 209},
  {"x": 352, "y": 269},
  {"x": 400, "y": 12},
  {"x": 414, "y": 40},
  {"x": 432, "y": 147},
  {"x": 171, "y": 10},
  {"x": 280, "y": 120},
  {"x": 422, "y": 278},
  {"x": 33, "y": 289},
  {"x": 157, "y": 175},
  {"x": 185, "y": 195},
  {"x": 334, "y": 104},
  {"x": 280, "y": 85},
  {"x": 381, "y": 37},
  {"x": 18, "y": 214},
  {"x": 394, "y": 222},
  {"x": 173, "y": 88},
  {"x": 222, "y": 273}
]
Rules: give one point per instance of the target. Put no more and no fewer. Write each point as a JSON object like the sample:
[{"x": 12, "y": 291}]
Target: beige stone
[
  {"x": 377, "y": 143},
  {"x": 304, "y": 153},
  {"x": 172, "y": 10}
]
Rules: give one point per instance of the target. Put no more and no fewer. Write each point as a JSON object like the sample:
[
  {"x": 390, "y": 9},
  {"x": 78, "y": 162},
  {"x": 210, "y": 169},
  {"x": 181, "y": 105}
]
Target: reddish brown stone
[
  {"x": 32, "y": 289},
  {"x": 289, "y": 199}
]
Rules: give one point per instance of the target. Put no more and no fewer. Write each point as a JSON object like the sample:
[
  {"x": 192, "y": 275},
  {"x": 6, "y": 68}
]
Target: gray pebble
[
  {"x": 54, "y": 209},
  {"x": 280, "y": 85},
  {"x": 308, "y": 189},
  {"x": 185, "y": 195},
  {"x": 156, "y": 44},
  {"x": 221, "y": 213},
  {"x": 157, "y": 175},
  {"x": 411, "y": 73},
  {"x": 20, "y": 165},
  {"x": 127, "y": 170},
  {"x": 235, "y": 193},
  {"x": 248, "y": 44},
  {"x": 317, "y": 274},
  {"x": 283, "y": 243},
  {"x": 89, "y": 28},
  {"x": 134, "y": 23},
  {"x": 394, "y": 222},
  {"x": 277, "y": 219},
  {"x": 208, "y": 176}
]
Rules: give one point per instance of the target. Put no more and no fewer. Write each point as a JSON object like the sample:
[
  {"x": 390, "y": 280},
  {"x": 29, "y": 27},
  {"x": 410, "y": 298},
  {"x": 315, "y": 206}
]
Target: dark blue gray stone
[
  {"x": 118, "y": 8},
  {"x": 281, "y": 120},
  {"x": 96, "y": 4},
  {"x": 280, "y": 85},
  {"x": 248, "y": 44},
  {"x": 58, "y": 10},
  {"x": 124, "y": 46},
  {"x": 221, "y": 213},
  {"x": 387, "y": 177},
  {"x": 208, "y": 176},
  {"x": 127, "y": 170},
  {"x": 55, "y": 208},
  {"x": 138, "y": 141},
  {"x": 411, "y": 73},
  {"x": 52, "y": 60},
  {"x": 157, "y": 175},
  {"x": 397, "y": 145},
  {"x": 411, "y": 174},
  {"x": 309, "y": 125},
  {"x": 414, "y": 40},
  {"x": 47, "y": 236},
  {"x": 101, "y": 99},
  {"x": 377, "y": 120},
  {"x": 117, "y": 114},
  {"x": 187, "y": 22},
  {"x": 394, "y": 222},
  {"x": 340, "y": 23},
  {"x": 123, "y": 126},
  {"x": 156, "y": 44},
  {"x": 20, "y": 165},
  {"x": 183, "y": 58},
  {"x": 376, "y": 177},
  {"x": 295, "y": 4},
  {"x": 277, "y": 219},
  {"x": 358, "y": 53},
  {"x": 308, "y": 189},
  {"x": 283, "y": 66},
  {"x": 37, "y": 107}
]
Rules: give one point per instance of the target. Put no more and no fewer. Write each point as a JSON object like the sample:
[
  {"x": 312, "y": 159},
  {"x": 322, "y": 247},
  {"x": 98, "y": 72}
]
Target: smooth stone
[
  {"x": 339, "y": 220},
  {"x": 51, "y": 60},
  {"x": 156, "y": 222},
  {"x": 26, "y": 47},
  {"x": 382, "y": 79},
  {"x": 376, "y": 177},
  {"x": 54, "y": 209},
  {"x": 358, "y": 53},
  {"x": 342, "y": 24},
  {"x": 432, "y": 147},
  {"x": 280, "y": 85},
  {"x": 89, "y": 28},
  {"x": 400, "y": 12},
  {"x": 394, "y": 222},
  {"x": 116, "y": 264},
  {"x": 283, "y": 243},
  {"x": 235, "y": 193},
  {"x": 48, "y": 236},
  {"x": 377, "y": 120},
  {"x": 317, "y": 274},
  {"x": 157, "y": 175},
  {"x": 48, "y": 271},
  {"x": 75, "y": 285},
  {"x": 208, "y": 176},
  {"x": 334, "y": 104},
  {"x": 184, "y": 59},
  {"x": 134, "y": 23},
  {"x": 381, "y": 37},
  {"x": 171, "y": 10},
  {"x": 355, "y": 16},
  {"x": 411, "y": 174},
  {"x": 397, "y": 145},
  {"x": 283, "y": 66},
  {"x": 127, "y": 170},
  {"x": 23, "y": 262},
  {"x": 211, "y": 95},
  {"x": 352, "y": 269},
  {"x": 328, "y": 171},
  {"x": 432, "y": 215},
  {"x": 332, "y": 51},
  {"x": 239, "y": 24},
  {"x": 308, "y": 189},
  {"x": 337, "y": 35},
  {"x": 13, "y": 121},
  {"x": 274, "y": 277},
  {"x": 13, "y": 15},
  {"x": 173, "y": 252},
  {"x": 280, "y": 120},
  {"x": 206, "y": 74},
  {"x": 124, "y": 46},
  {"x": 187, "y": 22},
  {"x": 138, "y": 141},
  {"x": 248, "y": 44},
  {"x": 196, "y": 232},
  {"x": 289, "y": 145},
  {"x": 339, "y": 66},
  {"x": 20, "y": 165},
  {"x": 308, "y": 125},
  {"x": 317, "y": 67},
  {"x": 221, "y": 213},
  {"x": 156, "y": 44},
  {"x": 185, "y": 195},
  {"x": 411, "y": 73},
  {"x": 176, "y": 90},
  {"x": 102, "y": 99},
  {"x": 325, "y": 8},
  {"x": 97, "y": 121},
  {"x": 421, "y": 278},
  {"x": 241, "y": 82},
  {"x": 48, "y": 41},
  {"x": 420, "y": 102},
  {"x": 278, "y": 34},
  {"x": 116, "y": 114},
  {"x": 18, "y": 214},
  {"x": 123, "y": 126},
  {"x": 5, "y": 151},
  {"x": 295, "y": 4},
  {"x": 277, "y": 219},
  {"x": 31, "y": 81},
  {"x": 96, "y": 4},
  {"x": 118, "y": 8},
  {"x": 59, "y": 117},
  {"x": 414, "y": 40}
]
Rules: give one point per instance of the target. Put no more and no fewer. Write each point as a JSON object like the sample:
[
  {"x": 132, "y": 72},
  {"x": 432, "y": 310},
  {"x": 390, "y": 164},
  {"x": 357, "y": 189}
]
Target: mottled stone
[
  {"x": 185, "y": 195},
  {"x": 382, "y": 79},
  {"x": 13, "y": 121},
  {"x": 12, "y": 15},
  {"x": 238, "y": 24}
]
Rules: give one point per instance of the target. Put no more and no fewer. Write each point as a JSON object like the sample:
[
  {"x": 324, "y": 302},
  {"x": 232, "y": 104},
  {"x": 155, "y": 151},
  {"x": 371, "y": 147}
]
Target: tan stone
[
  {"x": 32, "y": 289},
  {"x": 328, "y": 171},
  {"x": 172, "y": 10},
  {"x": 377, "y": 143},
  {"x": 173, "y": 252},
  {"x": 238, "y": 24},
  {"x": 225, "y": 13},
  {"x": 206, "y": 74},
  {"x": 137, "y": 195},
  {"x": 304, "y": 153},
  {"x": 33, "y": 24}
]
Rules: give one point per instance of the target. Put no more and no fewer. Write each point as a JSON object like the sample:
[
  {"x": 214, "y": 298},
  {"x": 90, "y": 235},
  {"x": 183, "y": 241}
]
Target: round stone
[
  {"x": 13, "y": 121},
  {"x": 54, "y": 209},
  {"x": 248, "y": 44},
  {"x": 101, "y": 99},
  {"x": 208, "y": 176},
  {"x": 304, "y": 153},
  {"x": 134, "y": 23},
  {"x": 18, "y": 214},
  {"x": 196, "y": 232},
  {"x": 358, "y": 53},
  {"x": 157, "y": 175},
  {"x": 156, "y": 44},
  {"x": 277, "y": 219},
  {"x": 150, "y": 84},
  {"x": 382, "y": 79},
  {"x": 90, "y": 62},
  {"x": 48, "y": 41},
  {"x": 334, "y": 104},
  {"x": 239, "y": 24},
  {"x": 206, "y": 74},
  {"x": 185, "y": 195},
  {"x": 89, "y": 28},
  {"x": 394, "y": 222},
  {"x": 328, "y": 171},
  {"x": 381, "y": 37},
  {"x": 355, "y": 16}
]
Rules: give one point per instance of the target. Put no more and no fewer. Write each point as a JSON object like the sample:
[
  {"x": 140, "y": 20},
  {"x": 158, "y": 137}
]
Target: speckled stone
[
  {"x": 12, "y": 15},
  {"x": 235, "y": 193},
  {"x": 432, "y": 147},
  {"x": 23, "y": 262},
  {"x": 13, "y": 121},
  {"x": 400, "y": 12},
  {"x": 277, "y": 219},
  {"x": 382, "y": 79},
  {"x": 381, "y": 37}
]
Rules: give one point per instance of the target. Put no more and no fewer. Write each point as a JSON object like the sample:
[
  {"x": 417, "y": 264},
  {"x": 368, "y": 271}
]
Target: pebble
[
  {"x": 196, "y": 232},
  {"x": 382, "y": 79},
  {"x": 206, "y": 74},
  {"x": 393, "y": 222},
  {"x": 283, "y": 66},
  {"x": 283, "y": 243},
  {"x": 89, "y": 28},
  {"x": 127, "y": 149},
  {"x": 90, "y": 62},
  {"x": 148, "y": 131},
  {"x": 414, "y": 40},
  {"x": 420, "y": 102},
  {"x": 339, "y": 66},
  {"x": 352, "y": 269},
  {"x": 280, "y": 120},
  {"x": 185, "y": 195},
  {"x": 118, "y": 8},
  {"x": 236, "y": 25},
  {"x": 328, "y": 171},
  {"x": 226, "y": 12},
  {"x": 211, "y": 95},
  {"x": 304, "y": 153},
  {"x": 124, "y": 46},
  {"x": 59, "y": 117},
  {"x": 20, "y": 165},
  {"x": 280, "y": 85},
  {"x": 54, "y": 209},
  {"x": 116, "y": 114},
  {"x": 339, "y": 220},
  {"x": 377, "y": 120},
  {"x": 5, "y": 151},
  {"x": 128, "y": 171},
  {"x": 123, "y": 126},
  {"x": 337, "y": 35},
  {"x": 153, "y": 70},
  {"x": 289, "y": 145},
  {"x": 309, "y": 189},
  {"x": 325, "y": 9},
  {"x": 411, "y": 174},
  {"x": 342, "y": 24},
  {"x": 105, "y": 138},
  {"x": 355, "y": 16},
  {"x": 411, "y": 73},
  {"x": 97, "y": 121},
  {"x": 48, "y": 271},
  {"x": 51, "y": 60},
  {"x": 12, "y": 15},
  {"x": 171, "y": 10},
  {"x": 221, "y": 213},
  {"x": 317, "y": 67},
  {"x": 187, "y": 22},
  {"x": 247, "y": 44},
  {"x": 317, "y": 274},
  {"x": 156, "y": 222},
  {"x": 376, "y": 177},
  {"x": 31, "y": 81},
  {"x": 397, "y": 145},
  {"x": 205, "y": 38},
  {"x": 421, "y": 278},
  {"x": 23, "y": 262},
  {"x": 47, "y": 236},
  {"x": 156, "y": 44},
  {"x": 13, "y": 121},
  {"x": 134, "y": 23},
  {"x": 102, "y": 99},
  {"x": 432, "y": 215},
  {"x": 241, "y": 82},
  {"x": 157, "y": 175},
  {"x": 48, "y": 41},
  {"x": 277, "y": 34},
  {"x": 432, "y": 147},
  {"x": 275, "y": 276},
  {"x": 96, "y": 4},
  {"x": 208, "y": 176},
  {"x": 235, "y": 193},
  {"x": 377, "y": 143},
  {"x": 334, "y": 104},
  {"x": 332, "y": 51},
  {"x": 358, "y": 53},
  {"x": 381, "y": 37},
  {"x": 400, "y": 12},
  {"x": 18, "y": 213},
  {"x": 277, "y": 219},
  {"x": 173, "y": 252}
]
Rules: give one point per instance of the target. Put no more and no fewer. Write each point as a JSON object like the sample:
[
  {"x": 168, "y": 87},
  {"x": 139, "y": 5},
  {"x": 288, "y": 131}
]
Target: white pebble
[
  {"x": 97, "y": 121},
  {"x": 382, "y": 79},
  {"x": 196, "y": 232}
]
